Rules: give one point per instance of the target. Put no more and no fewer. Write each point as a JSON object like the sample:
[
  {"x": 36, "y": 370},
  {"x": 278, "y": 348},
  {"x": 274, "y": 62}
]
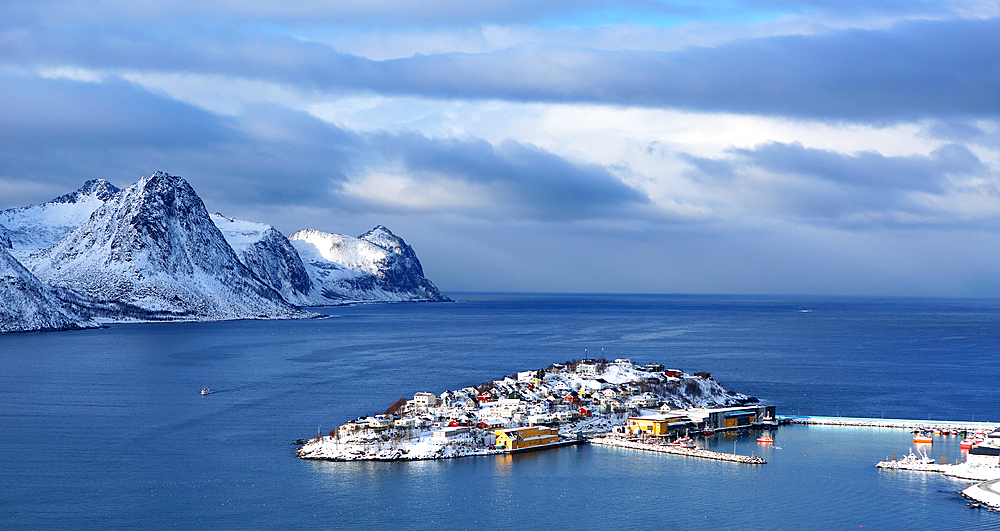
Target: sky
[{"x": 809, "y": 147}]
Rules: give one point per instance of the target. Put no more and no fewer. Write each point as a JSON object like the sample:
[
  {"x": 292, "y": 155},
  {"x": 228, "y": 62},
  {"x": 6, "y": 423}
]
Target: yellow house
[
  {"x": 654, "y": 425},
  {"x": 526, "y": 437}
]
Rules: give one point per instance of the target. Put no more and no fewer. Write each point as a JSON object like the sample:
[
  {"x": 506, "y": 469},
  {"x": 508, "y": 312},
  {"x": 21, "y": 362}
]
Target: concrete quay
[
  {"x": 676, "y": 450},
  {"x": 905, "y": 424}
]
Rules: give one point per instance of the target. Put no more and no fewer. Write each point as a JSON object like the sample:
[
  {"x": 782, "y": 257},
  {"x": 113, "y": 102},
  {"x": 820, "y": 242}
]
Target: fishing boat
[
  {"x": 765, "y": 439},
  {"x": 766, "y": 422},
  {"x": 205, "y": 391},
  {"x": 969, "y": 442},
  {"x": 708, "y": 432},
  {"x": 921, "y": 438}
]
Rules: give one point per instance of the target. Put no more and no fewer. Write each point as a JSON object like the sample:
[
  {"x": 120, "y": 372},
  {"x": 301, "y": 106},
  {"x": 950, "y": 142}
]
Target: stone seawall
[{"x": 677, "y": 450}]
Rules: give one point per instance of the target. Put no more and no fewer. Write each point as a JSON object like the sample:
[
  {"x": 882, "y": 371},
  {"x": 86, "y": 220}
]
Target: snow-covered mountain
[
  {"x": 377, "y": 266},
  {"x": 27, "y": 305},
  {"x": 270, "y": 256},
  {"x": 4, "y": 238},
  {"x": 151, "y": 251},
  {"x": 39, "y": 226}
]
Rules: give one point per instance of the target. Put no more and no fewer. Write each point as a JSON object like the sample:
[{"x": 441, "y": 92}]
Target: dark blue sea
[{"x": 106, "y": 429}]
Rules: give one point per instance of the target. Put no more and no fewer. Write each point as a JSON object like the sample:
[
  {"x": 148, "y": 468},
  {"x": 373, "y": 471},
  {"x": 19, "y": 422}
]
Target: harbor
[{"x": 702, "y": 453}]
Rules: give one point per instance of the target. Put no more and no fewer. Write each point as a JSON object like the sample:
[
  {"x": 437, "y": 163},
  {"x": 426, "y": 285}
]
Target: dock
[
  {"x": 677, "y": 450},
  {"x": 905, "y": 424}
]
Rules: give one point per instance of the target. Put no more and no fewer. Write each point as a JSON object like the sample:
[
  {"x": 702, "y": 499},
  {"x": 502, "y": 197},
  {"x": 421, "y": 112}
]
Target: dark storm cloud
[
  {"x": 539, "y": 183},
  {"x": 915, "y": 70}
]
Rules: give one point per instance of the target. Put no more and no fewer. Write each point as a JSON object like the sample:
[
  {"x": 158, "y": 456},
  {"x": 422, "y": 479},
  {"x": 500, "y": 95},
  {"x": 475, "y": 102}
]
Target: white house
[{"x": 424, "y": 399}]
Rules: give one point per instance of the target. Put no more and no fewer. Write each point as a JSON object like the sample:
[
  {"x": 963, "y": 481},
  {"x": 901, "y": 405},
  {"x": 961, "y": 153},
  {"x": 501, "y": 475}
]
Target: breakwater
[
  {"x": 907, "y": 424},
  {"x": 677, "y": 450}
]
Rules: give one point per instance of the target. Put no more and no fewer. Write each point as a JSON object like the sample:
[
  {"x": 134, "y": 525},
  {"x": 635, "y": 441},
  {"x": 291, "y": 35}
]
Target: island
[{"x": 562, "y": 404}]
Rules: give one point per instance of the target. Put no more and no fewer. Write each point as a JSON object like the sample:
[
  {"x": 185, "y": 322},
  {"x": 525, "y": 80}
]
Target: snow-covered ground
[
  {"x": 921, "y": 463},
  {"x": 580, "y": 398}
]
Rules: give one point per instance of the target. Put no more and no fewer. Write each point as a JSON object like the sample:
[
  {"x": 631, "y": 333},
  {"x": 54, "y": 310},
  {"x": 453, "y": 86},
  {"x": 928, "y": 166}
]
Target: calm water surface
[{"x": 105, "y": 429}]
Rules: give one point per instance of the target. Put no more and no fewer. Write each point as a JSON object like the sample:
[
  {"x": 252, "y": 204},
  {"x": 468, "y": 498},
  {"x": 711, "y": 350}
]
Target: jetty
[
  {"x": 677, "y": 450},
  {"x": 906, "y": 424}
]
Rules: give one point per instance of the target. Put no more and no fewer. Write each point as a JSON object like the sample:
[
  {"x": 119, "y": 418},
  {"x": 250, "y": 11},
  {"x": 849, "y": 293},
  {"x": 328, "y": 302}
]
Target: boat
[
  {"x": 707, "y": 432},
  {"x": 767, "y": 422},
  {"x": 765, "y": 439},
  {"x": 921, "y": 438},
  {"x": 683, "y": 442},
  {"x": 205, "y": 391},
  {"x": 969, "y": 442}
]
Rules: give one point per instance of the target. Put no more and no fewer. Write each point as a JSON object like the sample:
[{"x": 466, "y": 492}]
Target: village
[{"x": 610, "y": 402}]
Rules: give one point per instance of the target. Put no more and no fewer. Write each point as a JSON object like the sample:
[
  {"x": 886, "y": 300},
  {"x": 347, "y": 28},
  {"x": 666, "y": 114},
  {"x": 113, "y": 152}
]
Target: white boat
[
  {"x": 683, "y": 442},
  {"x": 205, "y": 391}
]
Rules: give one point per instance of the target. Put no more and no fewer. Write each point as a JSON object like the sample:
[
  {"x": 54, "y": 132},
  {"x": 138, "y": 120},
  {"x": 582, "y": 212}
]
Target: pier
[
  {"x": 905, "y": 424},
  {"x": 677, "y": 450}
]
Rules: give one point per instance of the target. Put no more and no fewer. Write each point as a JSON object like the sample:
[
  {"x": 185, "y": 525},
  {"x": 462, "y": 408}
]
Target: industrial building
[
  {"x": 729, "y": 418},
  {"x": 656, "y": 425},
  {"x": 526, "y": 437}
]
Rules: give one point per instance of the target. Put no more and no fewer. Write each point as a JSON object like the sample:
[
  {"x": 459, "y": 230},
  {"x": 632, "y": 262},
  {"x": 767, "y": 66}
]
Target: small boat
[
  {"x": 765, "y": 439},
  {"x": 707, "y": 432},
  {"x": 922, "y": 439},
  {"x": 683, "y": 442},
  {"x": 205, "y": 391}
]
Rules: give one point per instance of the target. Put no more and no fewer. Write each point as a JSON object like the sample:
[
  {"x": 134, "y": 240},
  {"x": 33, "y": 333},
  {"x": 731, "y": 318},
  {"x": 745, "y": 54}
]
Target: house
[
  {"x": 526, "y": 376},
  {"x": 643, "y": 400},
  {"x": 486, "y": 396},
  {"x": 405, "y": 422},
  {"x": 424, "y": 400},
  {"x": 526, "y": 437},
  {"x": 623, "y": 362},
  {"x": 450, "y": 432},
  {"x": 674, "y": 373},
  {"x": 380, "y": 422}
]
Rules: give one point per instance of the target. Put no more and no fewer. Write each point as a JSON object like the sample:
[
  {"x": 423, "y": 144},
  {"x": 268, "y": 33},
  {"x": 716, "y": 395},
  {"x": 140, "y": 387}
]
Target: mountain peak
[{"x": 96, "y": 188}]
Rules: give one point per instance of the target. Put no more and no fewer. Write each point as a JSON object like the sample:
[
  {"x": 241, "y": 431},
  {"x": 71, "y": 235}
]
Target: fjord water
[{"x": 106, "y": 429}]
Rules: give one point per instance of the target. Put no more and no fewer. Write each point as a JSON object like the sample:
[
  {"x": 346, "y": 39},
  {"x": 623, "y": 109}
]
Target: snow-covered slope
[
  {"x": 4, "y": 238},
  {"x": 39, "y": 226},
  {"x": 269, "y": 255},
  {"x": 151, "y": 251},
  {"x": 378, "y": 266},
  {"x": 26, "y": 304}
]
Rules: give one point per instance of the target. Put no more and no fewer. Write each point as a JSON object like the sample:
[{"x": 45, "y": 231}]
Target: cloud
[
  {"x": 867, "y": 169},
  {"x": 863, "y": 190},
  {"x": 511, "y": 179},
  {"x": 911, "y": 71},
  {"x": 269, "y": 155},
  {"x": 431, "y": 13}
]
